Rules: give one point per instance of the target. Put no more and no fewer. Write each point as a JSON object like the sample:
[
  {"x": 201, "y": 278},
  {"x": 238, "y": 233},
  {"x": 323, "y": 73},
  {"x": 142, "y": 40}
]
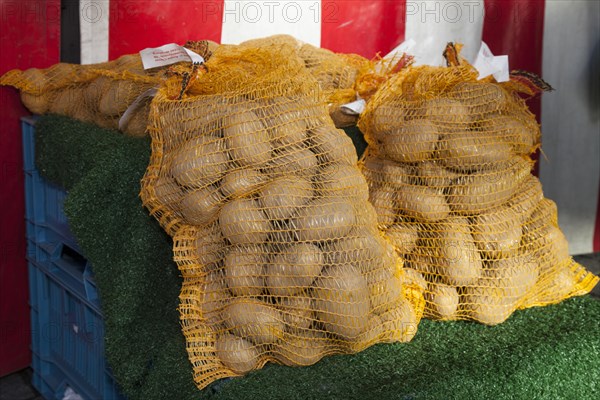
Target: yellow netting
[
  {"x": 96, "y": 93},
  {"x": 336, "y": 74},
  {"x": 278, "y": 246},
  {"x": 449, "y": 174}
]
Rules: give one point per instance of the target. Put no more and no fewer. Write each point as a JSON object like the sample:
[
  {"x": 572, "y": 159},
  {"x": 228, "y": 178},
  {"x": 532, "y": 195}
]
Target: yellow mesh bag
[
  {"x": 336, "y": 74},
  {"x": 97, "y": 93},
  {"x": 274, "y": 236},
  {"x": 449, "y": 173}
]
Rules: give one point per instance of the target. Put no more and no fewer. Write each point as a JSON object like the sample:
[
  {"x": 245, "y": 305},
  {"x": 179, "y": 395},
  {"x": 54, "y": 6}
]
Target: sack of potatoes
[
  {"x": 96, "y": 93},
  {"x": 273, "y": 233},
  {"x": 449, "y": 172}
]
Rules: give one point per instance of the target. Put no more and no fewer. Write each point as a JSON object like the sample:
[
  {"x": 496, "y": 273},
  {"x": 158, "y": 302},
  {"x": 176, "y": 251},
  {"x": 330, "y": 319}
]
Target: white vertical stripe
[
  {"x": 570, "y": 122},
  {"x": 243, "y": 20},
  {"x": 93, "y": 16},
  {"x": 432, "y": 24}
]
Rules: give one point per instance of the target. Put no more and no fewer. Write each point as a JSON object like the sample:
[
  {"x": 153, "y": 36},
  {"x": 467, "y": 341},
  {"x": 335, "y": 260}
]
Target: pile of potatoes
[
  {"x": 98, "y": 93},
  {"x": 277, "y": 243},
  {"x": 449, "y": 177}
]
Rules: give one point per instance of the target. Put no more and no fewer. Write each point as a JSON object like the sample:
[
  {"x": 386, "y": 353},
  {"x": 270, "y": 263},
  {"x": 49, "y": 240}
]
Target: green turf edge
[{"x": 542, "y": 353}]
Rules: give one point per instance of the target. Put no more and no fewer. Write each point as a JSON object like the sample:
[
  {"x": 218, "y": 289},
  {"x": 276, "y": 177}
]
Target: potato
[
  {"x": 434, "y": 175},
  {"x": 447, "y": 114},
  {"x": 242, "y": 222},
  {"x": 481, "y": 98},
  {"x": 92, "y": 93},
  {"x": 66, "y": 101},
  {"x": 403, "y": 236},
  {"x": 548, "y": 244},
  {"x": 513, "y": 277},
  {"x": 296, "y": 312},
  {"x": 247, "y": 139},
  {"x": 522, "y": 135},
  {"x": 343, "y": 181},
  {"x": 361, "y": 249},
  {"x": 237, "y": 354},
  {"x": 497, "y": 232},
  {"x": 387, "y": 116},
  {"x": 400, "y": 323},
  {"x": 487, "y": 305},
  {"x": 385, "y": 294},
  {"x": 294, "y": 269},
  {"x": 442, "y": 300},
  {"x": 242, "y": 182},
  {"x": 366, "y": 215},
  {"x": 471, "y": 151},
  {"x": 285, "y": 121},
  {"x": 282, "y": 233},
  {"x": 37, "y": 104},
  {"x": 332, "y": 145},
  {"x": 201, "y": 206},
  {"x": 244, "y": 270},
  {"x": 292, "y": 160},
  {"x": 385, "y": 205},
  {"x": 421, "y": 202},
  {"x": 478, "y": 192},
  {"x": 324, "y": 219},
  {"x": 302, "y": 348},
  {"x": 200, "y": 161},
  {"x": 447, "y": 250},
  {"x": 167, "y": 192},
  {"x": 205, "y": 118},
  {"x": 526, "y": 198},
  {"x": 410, "y": 142},
  {"x": 120, "y": 94},
  {"x": 341, "y": 301},
  {"x": 210, "y": 246},
  {"x": 281, "y": 197},
  {"x": 372, "y": 168},
  {"x": 396, "y": 175},
  {"x": 253, "y": 320}
]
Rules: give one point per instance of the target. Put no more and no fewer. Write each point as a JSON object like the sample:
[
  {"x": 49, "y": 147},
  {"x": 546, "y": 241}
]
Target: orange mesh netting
[
  {"x": 96, "y": 93},
  {"x": 278, "y": 246},
  {"x": 336, "y": 74},
  {"x": 449, "y": 174}
]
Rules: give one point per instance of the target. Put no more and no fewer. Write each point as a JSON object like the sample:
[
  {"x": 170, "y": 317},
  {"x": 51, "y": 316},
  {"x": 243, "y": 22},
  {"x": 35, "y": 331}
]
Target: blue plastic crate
[
  {"x": 67, "y": 341},
  {"x": 66, "y": 319}
]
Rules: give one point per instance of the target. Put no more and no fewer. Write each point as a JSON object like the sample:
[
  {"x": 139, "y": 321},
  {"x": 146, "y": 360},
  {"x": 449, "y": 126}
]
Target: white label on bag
[
  {"x": 168, "y": 54},
  {"x": 124, "y": 120},
  {"x": 354, "y": 108},
  {"x": 487, "y": 64}
]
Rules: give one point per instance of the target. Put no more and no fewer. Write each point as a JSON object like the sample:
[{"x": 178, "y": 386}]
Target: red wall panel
[
  {"x": 30, "y": 35},
  {"x": 362, "y": 27},
  {"x": 135, "y": 25}
]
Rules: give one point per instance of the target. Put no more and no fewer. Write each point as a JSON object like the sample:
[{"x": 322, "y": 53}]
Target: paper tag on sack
[
  {"x": 124, "y": 120},
  {"x": 354, "y": 108},
  {"x": 168, "y": 54},
  {"x": 487, "y": 64}
]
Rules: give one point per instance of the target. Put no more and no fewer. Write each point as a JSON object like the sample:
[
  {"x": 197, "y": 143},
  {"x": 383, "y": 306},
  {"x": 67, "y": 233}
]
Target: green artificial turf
[{"x": 541, "y": 353}]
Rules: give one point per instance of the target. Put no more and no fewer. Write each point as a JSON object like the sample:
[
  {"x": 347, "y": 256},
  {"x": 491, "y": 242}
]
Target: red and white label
[{"x": 168, "y": 54}]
